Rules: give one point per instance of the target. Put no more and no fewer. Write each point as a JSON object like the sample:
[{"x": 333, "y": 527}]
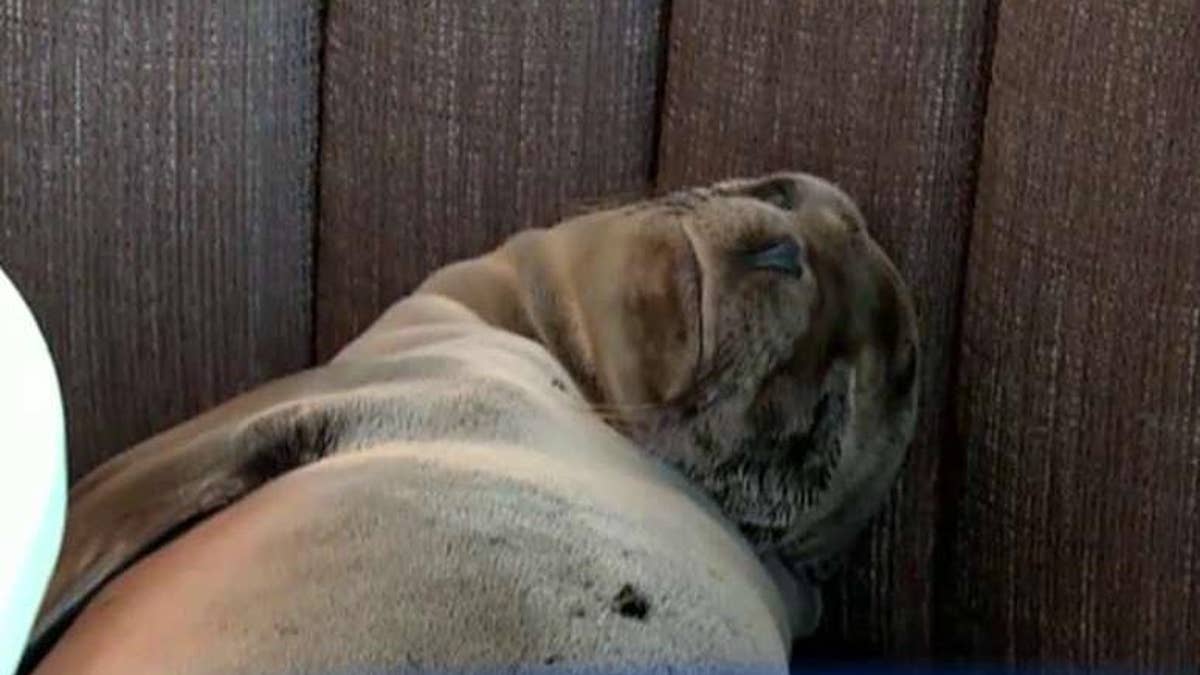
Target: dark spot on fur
[
  {"x": 552, "y": 659},
  {"x": 495, "y": 540},
  {"x": 631, "y": 603},
  {"x": 558, "y": 384},
  {"x": 578, "y": 612}
]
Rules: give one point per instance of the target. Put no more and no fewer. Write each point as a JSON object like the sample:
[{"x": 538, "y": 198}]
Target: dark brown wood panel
[
  {"x": 1079, "y": 533},
  {"x": 885, "y": 99},
  {"x": 451, "y": 124},
  {"x": 156, "y": 200}
]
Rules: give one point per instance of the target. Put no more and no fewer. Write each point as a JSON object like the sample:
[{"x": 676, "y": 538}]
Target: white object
[{"x": 33, "y": 480}]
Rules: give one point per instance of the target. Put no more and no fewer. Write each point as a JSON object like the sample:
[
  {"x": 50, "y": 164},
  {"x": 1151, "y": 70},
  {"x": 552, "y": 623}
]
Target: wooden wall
[
  {"x": 454, "y": 123},
  {"x": 1075, "y": 534},
  {"x": 156, "y": 200},
  {"x": 1033, "y": 168}
]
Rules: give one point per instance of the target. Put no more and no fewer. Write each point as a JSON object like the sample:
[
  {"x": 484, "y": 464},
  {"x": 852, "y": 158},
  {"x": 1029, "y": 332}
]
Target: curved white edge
[{"x": 33, "y": 476}]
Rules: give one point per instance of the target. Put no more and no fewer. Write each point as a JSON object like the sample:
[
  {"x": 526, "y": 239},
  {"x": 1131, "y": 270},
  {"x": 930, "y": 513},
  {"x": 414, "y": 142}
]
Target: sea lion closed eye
[{"x": 750, "y": 335}]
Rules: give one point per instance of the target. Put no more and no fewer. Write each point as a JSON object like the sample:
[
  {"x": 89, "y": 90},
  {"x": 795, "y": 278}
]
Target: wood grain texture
[
  {"x": 449, "y": 124},
  {"x": 1079, "y": 535},
  {"x": 156, "y": 200},
  {"x": 884, "y": 99}
]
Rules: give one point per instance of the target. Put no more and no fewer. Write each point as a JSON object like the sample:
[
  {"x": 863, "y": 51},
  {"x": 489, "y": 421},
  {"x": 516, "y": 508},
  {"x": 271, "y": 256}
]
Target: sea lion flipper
[{"x": 151, "y": 493}]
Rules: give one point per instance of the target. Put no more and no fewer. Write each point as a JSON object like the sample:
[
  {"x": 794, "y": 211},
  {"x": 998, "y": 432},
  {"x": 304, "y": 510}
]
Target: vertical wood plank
[
  {"x": 453, "y": 123},
  {"x": 1079, "y": 538},
  {"x": 156, "y": 200},
  {"x": 885, "y": 99}
]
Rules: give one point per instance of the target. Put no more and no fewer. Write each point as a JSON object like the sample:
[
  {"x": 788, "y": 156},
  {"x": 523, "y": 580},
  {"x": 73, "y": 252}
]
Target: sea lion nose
[
  {"x": 810, "y": 187},
  {"x": 823, "y": 195}
]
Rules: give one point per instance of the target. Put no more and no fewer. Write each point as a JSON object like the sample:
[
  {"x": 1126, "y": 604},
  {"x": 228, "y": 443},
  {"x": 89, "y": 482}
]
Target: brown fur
[
  {"x": 771, "y": 348},
  {"x": 789, "y": 399}
]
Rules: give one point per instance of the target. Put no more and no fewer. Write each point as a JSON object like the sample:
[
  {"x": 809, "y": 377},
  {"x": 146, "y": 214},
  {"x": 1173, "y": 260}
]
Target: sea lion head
[{"x": 750, "y": 333}]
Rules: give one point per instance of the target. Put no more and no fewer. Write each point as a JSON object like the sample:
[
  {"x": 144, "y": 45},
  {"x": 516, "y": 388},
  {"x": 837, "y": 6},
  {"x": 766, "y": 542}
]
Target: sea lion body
[
  {"x": 498, "y": 522},
  {"x": 631, "y": 440}
]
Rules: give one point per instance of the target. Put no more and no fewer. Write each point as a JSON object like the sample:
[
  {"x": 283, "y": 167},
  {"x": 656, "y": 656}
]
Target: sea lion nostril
[{"x": 778, "y": 191}]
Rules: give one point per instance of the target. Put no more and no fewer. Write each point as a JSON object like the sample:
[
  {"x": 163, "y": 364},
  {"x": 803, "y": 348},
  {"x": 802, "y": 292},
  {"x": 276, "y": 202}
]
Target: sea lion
[{"x": 628, "y": 439}]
